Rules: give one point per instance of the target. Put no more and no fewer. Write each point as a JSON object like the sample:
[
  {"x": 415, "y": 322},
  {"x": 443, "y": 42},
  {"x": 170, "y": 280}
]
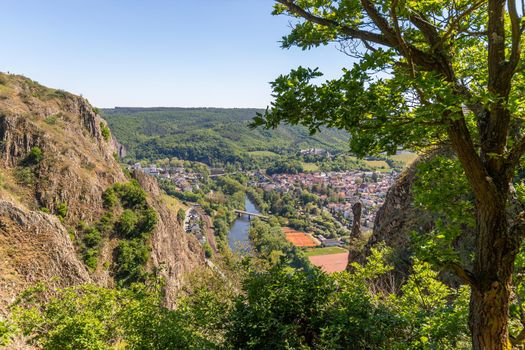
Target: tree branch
[
  {"x": 516, "y": 36},
  {"x": 351, "y": 32},
  {"x": 482, "y": 185},
  {"x": 455, "y": 23},
  {"x": 464, "y": 275}
]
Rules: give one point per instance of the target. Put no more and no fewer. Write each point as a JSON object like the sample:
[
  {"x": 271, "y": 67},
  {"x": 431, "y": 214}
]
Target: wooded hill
[{"x": 209, "y": 135}]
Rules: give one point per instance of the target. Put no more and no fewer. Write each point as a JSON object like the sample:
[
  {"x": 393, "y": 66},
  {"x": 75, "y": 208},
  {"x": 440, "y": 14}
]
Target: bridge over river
[{"x": 249, "y": 214}]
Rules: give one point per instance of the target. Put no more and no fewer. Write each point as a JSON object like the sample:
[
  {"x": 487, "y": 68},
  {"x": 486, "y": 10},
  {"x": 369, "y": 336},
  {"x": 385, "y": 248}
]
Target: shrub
[
  {"x": 25, "y": 176},
  {"x": 91, "y": 241},
  {"x": 105, "y": 131},
  {"x": 34, "y": 157},
  {"x": 62, "y": 210},
  {"x": 131, "y": 195},
  {"x": 105, "y": 224},
  {"x": 109, "y": 198},
  {"x": 51, "y": 120},
  {"x": 92, "y": 237},
  {"x": 181, "y": 215},
  {"x": 147, "y": 222},
  {"x": 131, "y": 258},
  {"x": 91, "y": 258},
  {"x": 208, "y": 252},
  {"x": 127, "y": 223}
]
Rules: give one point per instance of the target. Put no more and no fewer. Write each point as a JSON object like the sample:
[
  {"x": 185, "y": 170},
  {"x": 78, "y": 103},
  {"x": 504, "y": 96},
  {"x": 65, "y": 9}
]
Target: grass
[
  {"x": 405, "y": 157},
  {"x": 173, "y": 204},
  {"x": 310, "y": 167},
  {"x": 324, "y": 251},
  {"x": 263, "y": 154},
  {"x": 381, "y": 164}
]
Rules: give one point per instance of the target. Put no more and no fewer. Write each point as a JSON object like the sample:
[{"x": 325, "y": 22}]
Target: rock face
[
  {"x": 34, "y": 247},
  {"x": 174, "y": 252},
  {"x": 76, "y": 165},
  {"x": 395, "y": 221},
  {"x": 398, "y": 220},
  {"x": 78, "y": 161}
]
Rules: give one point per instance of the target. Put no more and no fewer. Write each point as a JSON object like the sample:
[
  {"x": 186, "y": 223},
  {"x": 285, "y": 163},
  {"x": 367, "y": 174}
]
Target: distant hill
[{"x": 209, "y": 135}]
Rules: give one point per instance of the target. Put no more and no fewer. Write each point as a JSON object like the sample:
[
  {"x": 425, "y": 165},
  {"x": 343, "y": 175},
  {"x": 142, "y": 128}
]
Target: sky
[{"x": 184, "y": 53}]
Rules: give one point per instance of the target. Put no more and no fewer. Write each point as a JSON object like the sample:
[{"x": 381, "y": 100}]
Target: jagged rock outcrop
[
  {"x": 396, "y": 220},
  {"x": 34, "y": 246},
  {"x": 399, "y": 220},
  {"x": 75, "y": 163},
  {"x": 174, "y": 253},
  {"x": 78, "y": 162}
]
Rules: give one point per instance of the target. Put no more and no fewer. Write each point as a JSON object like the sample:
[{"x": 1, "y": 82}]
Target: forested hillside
[{"x": 209, "y": 135}]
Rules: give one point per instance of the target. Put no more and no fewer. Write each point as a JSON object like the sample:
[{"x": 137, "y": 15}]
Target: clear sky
[{"x": 217, "y": 53}]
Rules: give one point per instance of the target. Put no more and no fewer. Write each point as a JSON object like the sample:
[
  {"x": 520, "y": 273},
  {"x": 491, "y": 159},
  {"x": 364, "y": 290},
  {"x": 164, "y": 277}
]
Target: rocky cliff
[
  {"x": 396, "y": 219},
  {"x": 399, "y": 222},
  {"x": 57, "y": 157},
  {"x": 173, "y": 253}
]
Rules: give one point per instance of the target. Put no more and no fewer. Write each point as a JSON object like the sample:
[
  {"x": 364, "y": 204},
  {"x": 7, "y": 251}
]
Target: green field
[
  {"x": 324, "y": 251},
  {"x": 406, "y": 158},
  {"x": 310, "y": 166},
  {"x": 379, "y": 164},
  {"x": 263, "y": 154}
]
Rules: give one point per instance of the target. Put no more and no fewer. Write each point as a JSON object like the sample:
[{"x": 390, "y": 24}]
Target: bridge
[{"x": 243, "y": 212}]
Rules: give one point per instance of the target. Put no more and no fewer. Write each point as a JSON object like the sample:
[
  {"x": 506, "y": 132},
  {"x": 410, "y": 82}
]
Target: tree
[
  {"x": 181, "y": 215},
  {"x": 426, "y": 73}
]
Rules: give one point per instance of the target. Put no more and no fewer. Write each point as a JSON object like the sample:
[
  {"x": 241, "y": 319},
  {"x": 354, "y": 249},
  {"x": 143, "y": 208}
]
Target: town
[{"x": 337, "y": 193}]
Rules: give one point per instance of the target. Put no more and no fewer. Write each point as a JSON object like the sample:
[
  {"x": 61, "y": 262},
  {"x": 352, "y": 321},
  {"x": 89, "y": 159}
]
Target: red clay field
[
  {"x": 299, "y": 239},
  {"x": 331, "y": 262}
]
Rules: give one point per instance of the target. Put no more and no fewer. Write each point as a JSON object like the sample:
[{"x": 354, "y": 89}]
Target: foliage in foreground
[{"x": 279, "y": 308}]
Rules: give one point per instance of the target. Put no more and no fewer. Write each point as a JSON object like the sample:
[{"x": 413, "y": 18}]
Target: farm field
[
  {"x": 405, "y": 157},
  {"x": 331, "y": 262},
  {"x": 263, "y": 154},
  {"x": 310, "y": 167},
  {"x": 324, "y": 251},
  {"x": 379, "y": 164}
]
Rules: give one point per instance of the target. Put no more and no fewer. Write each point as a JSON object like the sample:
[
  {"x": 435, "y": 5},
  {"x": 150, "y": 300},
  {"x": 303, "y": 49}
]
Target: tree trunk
[{"x": 494, "y": 263}]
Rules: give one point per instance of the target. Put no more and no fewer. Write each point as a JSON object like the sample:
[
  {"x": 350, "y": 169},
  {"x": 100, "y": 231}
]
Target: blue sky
[{"x": 195, "y": 53}]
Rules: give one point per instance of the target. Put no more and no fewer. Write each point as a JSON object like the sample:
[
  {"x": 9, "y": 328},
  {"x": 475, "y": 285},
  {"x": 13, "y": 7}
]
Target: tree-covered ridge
[{"x": 209, "y": 135}]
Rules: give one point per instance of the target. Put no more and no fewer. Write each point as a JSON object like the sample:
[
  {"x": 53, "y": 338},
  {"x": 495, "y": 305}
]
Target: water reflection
[{"x": 238, "y": 238}]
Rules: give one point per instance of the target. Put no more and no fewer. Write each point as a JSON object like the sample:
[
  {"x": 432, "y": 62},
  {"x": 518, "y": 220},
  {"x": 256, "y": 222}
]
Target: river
[{"x": 238, "y": 238}]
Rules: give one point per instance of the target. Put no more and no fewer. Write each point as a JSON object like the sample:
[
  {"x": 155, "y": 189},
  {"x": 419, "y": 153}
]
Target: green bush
[
  {"x": 147, "y": 222},
  {"x": 51, "y": 120},
  {"x": 91, "y": 244},
  {"x": 181, "y": 215},
  {"x": 62, "y": 210},
  {"x": 92, "y": 237},
  {"x": 208, "y": 252},
  {"x": 106, "y": 133},
  {"x": 131, "y": 195},
  {"x": 127, "y": 224},
  {"x": 109, "y": 198},
  {"x": 91, "y": 258},
  {"x": 34, "y": 157},
  {"x": 131, "y": 258},
  {"x": 25, "y": 176}
]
